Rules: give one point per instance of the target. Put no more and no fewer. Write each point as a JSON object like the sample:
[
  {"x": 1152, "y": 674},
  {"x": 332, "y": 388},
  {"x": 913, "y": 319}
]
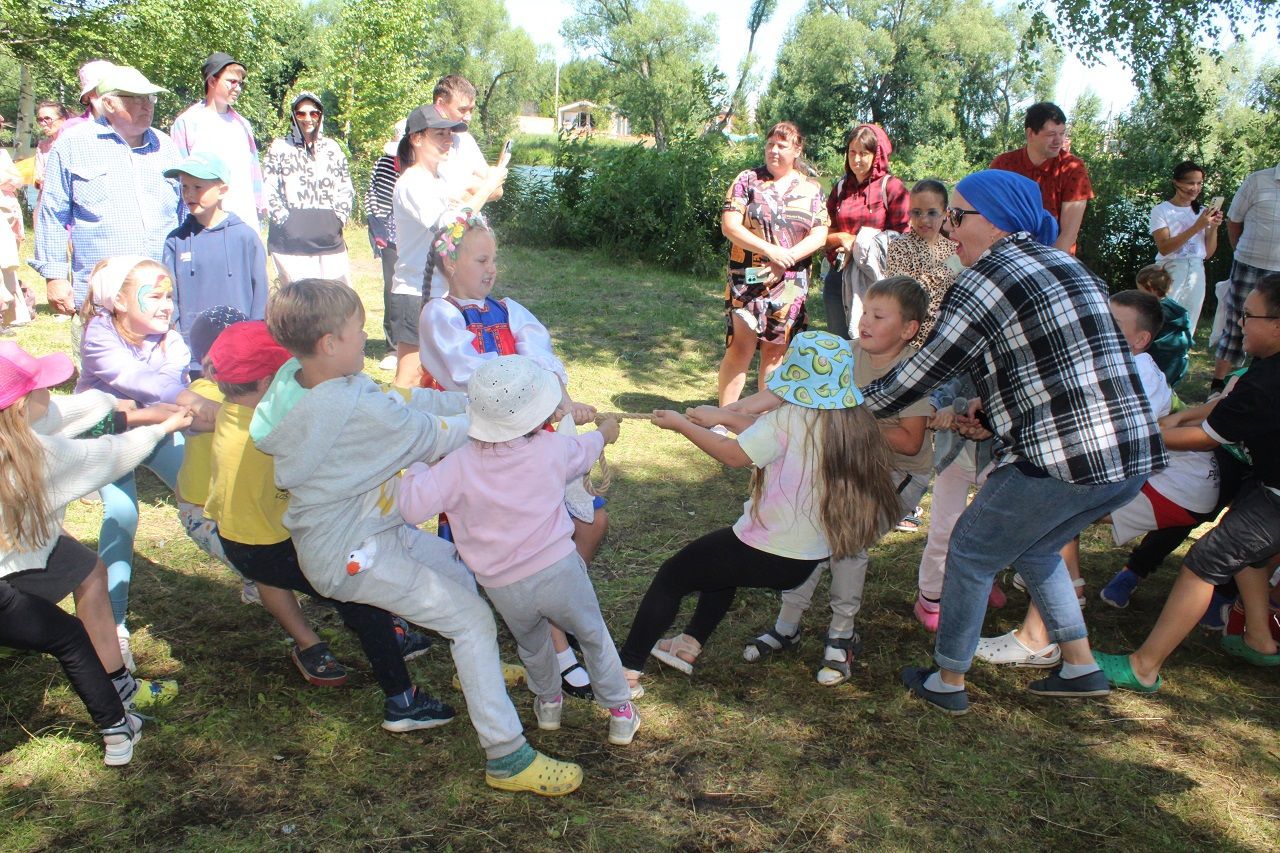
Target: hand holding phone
[
  {"x": 1216, "y": 203},
  {"x": 505, "y": 156}
]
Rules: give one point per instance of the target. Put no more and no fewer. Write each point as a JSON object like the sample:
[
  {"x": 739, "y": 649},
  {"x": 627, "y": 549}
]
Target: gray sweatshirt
[
  {"x": 76, "y": 466},
  {"x": 339, "y": 449}
]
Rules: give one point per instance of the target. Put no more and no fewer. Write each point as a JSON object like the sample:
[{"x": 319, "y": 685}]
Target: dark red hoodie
[{"x": 853, "y": 206}]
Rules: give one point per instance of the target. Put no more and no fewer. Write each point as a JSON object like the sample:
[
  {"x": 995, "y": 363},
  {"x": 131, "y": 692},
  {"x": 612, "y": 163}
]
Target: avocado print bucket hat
[{"x": 817, "y": 373}]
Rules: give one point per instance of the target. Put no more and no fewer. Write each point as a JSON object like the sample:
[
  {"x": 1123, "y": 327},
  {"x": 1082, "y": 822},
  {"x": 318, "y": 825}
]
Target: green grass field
[{"x": 740, "y": 757}]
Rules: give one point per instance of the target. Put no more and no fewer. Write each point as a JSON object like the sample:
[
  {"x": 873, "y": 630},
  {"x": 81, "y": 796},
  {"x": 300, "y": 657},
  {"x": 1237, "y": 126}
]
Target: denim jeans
[
  {"x": 1022, "y": 521},
  {"x": 120, "y": 520}
]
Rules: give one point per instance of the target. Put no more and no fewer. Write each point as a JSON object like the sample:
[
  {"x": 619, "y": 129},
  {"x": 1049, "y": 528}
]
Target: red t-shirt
[{"x": 1062, "y": 178}]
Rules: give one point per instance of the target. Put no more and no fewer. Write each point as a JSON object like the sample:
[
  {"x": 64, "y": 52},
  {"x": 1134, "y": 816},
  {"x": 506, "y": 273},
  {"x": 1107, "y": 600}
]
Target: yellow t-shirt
[
  {"x": 863, "y": 375},
  {"x": 243, "y": 497},
  {"x": 193, "y": 476}
]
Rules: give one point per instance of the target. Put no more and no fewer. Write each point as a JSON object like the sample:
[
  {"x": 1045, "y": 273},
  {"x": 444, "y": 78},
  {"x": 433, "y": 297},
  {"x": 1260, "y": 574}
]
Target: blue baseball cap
[{"x": 201, "y": 164}]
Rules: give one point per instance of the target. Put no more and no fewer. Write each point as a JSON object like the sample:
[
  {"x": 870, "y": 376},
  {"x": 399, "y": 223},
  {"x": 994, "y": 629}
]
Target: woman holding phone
[
  {"x": 1186, "y": 233},
  {"x": 775, "y": 218}
]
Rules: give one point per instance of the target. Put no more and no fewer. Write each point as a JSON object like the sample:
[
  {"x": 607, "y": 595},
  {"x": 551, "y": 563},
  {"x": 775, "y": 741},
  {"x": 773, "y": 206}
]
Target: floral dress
[{"x": 782, "y": 213}]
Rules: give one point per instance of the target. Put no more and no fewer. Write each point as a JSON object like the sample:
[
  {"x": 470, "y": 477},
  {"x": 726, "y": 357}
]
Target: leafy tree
[
  {"x": 659, "y": 58},
  {"x": 757, "y": 16}
]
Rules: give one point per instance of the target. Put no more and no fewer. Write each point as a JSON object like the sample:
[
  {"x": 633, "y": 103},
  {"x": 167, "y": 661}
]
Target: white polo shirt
[{"x": 1257, "y": 206}]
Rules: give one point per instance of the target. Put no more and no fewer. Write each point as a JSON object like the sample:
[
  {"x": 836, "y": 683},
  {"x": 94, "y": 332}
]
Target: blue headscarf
[{"x": 1010, "y": 202}]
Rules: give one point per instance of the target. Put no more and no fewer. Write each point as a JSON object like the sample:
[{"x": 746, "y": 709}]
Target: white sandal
[
  {"x": 1008, "y": 650},
  {"x": 681, "y": 643}
]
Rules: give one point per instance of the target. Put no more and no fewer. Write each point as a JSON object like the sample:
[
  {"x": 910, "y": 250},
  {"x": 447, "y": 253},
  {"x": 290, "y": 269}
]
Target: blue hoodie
[{"x": 222, "y": 265}]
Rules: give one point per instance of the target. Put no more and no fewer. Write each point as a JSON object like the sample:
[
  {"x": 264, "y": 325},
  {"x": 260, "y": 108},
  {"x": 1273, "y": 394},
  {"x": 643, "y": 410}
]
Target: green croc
[
  {"x": 1236, "y": 646},
  {"x": 1120, "y": 674}
]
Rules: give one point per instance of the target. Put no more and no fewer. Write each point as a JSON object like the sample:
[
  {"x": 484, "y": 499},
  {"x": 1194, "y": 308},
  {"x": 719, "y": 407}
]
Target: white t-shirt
[
  {"x": 1177, "y": 219},
  {"x": 1191, "y": 480},
  {"x": 420, "y": 198},
  {"x": 203, "y": 128},
  {"x": 464, "y": 161},
  {"x": 790, "y": 522}
]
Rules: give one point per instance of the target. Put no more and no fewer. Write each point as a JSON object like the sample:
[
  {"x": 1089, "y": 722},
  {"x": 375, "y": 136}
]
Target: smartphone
[
  {"x": 1216, "y": 203},
  {"x": 506, "y": 149}
]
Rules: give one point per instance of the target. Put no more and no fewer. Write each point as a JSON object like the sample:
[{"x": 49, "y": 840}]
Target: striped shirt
[
  {"x": 1030, "y": 326},
  {"x": 115, "y": 199},
  {"x": 378, "y": 200}
]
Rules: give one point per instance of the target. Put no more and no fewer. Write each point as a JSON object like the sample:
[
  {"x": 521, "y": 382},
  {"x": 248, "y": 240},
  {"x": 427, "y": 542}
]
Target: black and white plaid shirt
[{"x": 1030, "y": 325}]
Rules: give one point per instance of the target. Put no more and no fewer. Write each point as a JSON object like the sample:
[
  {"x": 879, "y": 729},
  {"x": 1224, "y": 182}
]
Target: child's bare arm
[
  {"x": 1188, "y": 438},
  {"x": 204, "y": 412},
  {"x": 757, "y": 404},
  {"x": 907, "y": 436},
  {"x": 721, "y": 448},
  {"x": 710, "y": 416}
]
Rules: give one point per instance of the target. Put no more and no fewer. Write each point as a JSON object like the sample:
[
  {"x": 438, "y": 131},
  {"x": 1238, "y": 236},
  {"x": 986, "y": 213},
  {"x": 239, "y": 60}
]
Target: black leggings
[
  {"x": 31, "y": 623},
  {"x": 277, "y": 565},
  {"x": 715, "y": 567}
]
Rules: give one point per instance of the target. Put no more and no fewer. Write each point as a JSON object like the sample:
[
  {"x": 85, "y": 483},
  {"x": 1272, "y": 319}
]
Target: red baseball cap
[
  {"x": 246, "y": 352},
  {"x": 21, "y": 373}
]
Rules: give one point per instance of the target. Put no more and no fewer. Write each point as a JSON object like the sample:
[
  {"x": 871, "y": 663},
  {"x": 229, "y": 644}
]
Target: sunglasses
[
  {"x": 308, "y": 113},
  {"x": 957, "y": 214}
]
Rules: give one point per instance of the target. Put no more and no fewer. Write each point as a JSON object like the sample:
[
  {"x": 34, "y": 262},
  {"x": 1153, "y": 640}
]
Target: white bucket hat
[{"x": 511, "y": 396}]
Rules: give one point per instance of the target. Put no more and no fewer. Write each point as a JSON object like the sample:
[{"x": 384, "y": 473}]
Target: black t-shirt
[{"x": 1251, "y": 414}]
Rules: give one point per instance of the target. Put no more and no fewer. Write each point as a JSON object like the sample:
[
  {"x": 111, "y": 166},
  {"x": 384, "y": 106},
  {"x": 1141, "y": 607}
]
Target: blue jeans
[
  {"x": 833, "y": 301},
  {"x": 1022, "y": 521},
  {"x": 120, "y": 520}
]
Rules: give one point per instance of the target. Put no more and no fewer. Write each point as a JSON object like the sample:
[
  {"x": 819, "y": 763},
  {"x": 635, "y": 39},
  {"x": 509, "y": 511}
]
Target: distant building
[{"x": 587, "y": 116}]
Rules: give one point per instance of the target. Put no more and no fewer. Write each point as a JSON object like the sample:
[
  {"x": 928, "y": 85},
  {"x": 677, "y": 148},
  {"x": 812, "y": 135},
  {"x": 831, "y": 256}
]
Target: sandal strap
[
  {"x": 564, "y": 673},
  {"x": 848, "y": 644},
  {"x": 784, "y": 642}
]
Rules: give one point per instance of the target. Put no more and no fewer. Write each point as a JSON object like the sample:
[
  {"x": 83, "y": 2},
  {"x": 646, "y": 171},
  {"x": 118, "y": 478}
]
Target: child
[
  {"x": 1248, "y": 536},
  {"x": 923, "y": 253},
  {"x": 213, "y": 257},
  {"x": 39, "y": 564},
  {"x": 1173, "y": 340},
  {"x": 248, "y": 510},
  {"x": 891, "y": 314},
  {"x": 516, "y": 471},
  {"x": 129, "y": 351},
  {"x": 339, "y": 444},
  {"x": 1182, "y": 493},
  {"x": 466, "y": 329},
  {"x": 822, "y": 489}
]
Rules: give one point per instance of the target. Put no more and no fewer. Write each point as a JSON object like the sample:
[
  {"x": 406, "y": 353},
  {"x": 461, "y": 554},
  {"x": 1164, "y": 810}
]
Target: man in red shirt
[{"x": 1063, "y": 178}]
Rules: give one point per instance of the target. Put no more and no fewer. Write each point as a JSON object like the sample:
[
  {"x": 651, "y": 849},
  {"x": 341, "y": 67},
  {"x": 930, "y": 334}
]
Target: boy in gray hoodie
[{"x": 339, "y": 444}]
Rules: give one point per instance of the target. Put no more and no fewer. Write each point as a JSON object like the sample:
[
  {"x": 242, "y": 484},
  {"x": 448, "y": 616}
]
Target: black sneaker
[
  {"x": 1090, "y": 685},
  {"x": 412, "y": 643},
  {"x": 955, "y": 704},
  {"x": 424, "y": 712}
]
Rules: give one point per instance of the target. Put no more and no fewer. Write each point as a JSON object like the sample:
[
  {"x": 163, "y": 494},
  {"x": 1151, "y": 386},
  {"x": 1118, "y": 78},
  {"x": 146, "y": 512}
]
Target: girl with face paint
[{"x": 130, "y": 352}]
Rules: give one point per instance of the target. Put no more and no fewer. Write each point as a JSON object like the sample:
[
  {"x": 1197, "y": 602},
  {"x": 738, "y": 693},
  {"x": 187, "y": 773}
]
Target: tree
[
  {"x": 761, "y": 11},
  {"x": 659, "y": 59}
]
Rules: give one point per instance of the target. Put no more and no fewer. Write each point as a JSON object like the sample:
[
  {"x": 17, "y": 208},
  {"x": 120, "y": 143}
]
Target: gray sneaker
[
  {"x": 548, "y": 713},
  {"x": 623, "y": 724}
]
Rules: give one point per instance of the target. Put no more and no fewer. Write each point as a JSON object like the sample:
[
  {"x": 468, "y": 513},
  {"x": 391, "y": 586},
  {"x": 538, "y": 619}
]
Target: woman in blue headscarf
[{"x": 1030, "y": 326}]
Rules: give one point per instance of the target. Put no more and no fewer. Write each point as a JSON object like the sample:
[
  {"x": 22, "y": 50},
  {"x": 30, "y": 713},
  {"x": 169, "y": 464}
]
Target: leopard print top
[{"x": 910, "y": 255}]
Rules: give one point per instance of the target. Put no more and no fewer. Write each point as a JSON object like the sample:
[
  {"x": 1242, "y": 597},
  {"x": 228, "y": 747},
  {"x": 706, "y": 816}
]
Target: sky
[{"x": 1109, "y": 80}]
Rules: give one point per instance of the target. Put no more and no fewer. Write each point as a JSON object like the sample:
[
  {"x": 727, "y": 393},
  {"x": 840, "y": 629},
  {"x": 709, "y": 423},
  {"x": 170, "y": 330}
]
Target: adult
[
  {"x": 455, "y": 99},
  {"x": 864, "y": 203},
  {"x": 1030, "y": 326},
  {"x": 422, "y": 195},
  {"x": 1064, "y": 183},
  {"x": 1186, "y": 233},
  {"x": 309, "y": 197},
  {"x": 105, "y": 189},
  {"x": 775, "y": 218},
  {"x": 379, "y": 215},
  {"x": 14, "y": 308},
  {"x": 212, "y": 125},
  {"x": 50, "y": 117},
  {"x": 91, "y": 74},
  {"x": 1253, "y": 227}
]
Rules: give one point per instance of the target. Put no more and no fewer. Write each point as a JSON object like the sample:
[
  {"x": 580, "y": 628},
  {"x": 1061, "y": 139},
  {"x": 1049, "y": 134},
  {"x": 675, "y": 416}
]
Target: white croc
[{"x": 1007, "y": 650}]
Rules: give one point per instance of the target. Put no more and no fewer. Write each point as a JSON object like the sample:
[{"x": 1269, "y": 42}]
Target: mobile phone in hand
[
  {"x": 506, "y": 149},
  {"x": 1216, "y": 203}
]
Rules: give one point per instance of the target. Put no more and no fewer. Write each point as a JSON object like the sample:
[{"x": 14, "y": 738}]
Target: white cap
[{"x": 511, "y": 396}]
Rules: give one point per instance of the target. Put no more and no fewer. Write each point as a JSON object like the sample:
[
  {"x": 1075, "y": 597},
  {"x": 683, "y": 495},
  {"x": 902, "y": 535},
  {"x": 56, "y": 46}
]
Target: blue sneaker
[
  {"x": 1091, "y": 684},
  {"x": 424, "y": 712},
  {"x": 412, "y": 644},
  {"x": 1120, "y": 588},
  {"x": 1215, "y": 617},
  {"x": 955, "y": 704}
]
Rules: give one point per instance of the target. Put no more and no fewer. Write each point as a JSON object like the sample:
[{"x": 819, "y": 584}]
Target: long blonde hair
[
  {"x": 25, "y": 521},
  {"x": 857, "y": 499}
]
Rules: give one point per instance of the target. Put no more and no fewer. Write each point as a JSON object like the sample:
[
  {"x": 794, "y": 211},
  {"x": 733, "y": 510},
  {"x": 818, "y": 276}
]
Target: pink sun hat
[{"x": 21, "y": 373}]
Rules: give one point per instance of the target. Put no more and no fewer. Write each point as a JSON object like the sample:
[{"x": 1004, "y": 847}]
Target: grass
[{"x": 740, "y": 757}]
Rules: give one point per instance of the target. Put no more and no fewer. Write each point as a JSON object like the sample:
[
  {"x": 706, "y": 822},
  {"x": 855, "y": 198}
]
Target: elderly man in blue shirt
[{"x": 105, "y": 189}]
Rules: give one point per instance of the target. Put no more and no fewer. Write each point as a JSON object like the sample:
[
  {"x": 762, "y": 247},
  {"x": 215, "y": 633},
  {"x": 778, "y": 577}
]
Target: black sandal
[
  {"x": 852, "y": 647},
  {"x": 764, "y": 648},
  {"x": 583, "y": 692}
]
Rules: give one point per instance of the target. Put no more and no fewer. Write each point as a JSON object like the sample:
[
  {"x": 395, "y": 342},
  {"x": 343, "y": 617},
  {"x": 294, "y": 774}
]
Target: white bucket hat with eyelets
[{"x": 510, "y": 396}]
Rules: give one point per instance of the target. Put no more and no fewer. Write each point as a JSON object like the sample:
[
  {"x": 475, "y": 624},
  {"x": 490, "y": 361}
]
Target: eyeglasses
[
  {"x": 137, "y": 99},
  {"x": 916, "y": 213},
  {"x": 308, "y": 113},
  {"x": 957, "y": 215},
  {"x": 1246, "y": 316},
  {"x": 46, "y": 119}
]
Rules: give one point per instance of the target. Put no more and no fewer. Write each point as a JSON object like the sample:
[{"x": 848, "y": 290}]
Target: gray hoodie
[{"x": 339, "y": 449}]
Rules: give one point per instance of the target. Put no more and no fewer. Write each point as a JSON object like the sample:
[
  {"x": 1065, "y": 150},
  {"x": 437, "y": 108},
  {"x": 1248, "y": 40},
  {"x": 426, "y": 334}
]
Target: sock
[
  {"x": 577, "y": 676},
  {"x": 510, "y": 765},
  {"x": 786, "y": 629},
  {"x": 935, "y": 683},
  {"x": 402, "y": 700},
  {"x": 833, "y": 654},
  {"x": 1075, "y": 670},
  {"x": 124, "y": 682},
  {"x": 625, "y": 711},
  {"x": 554, "y": 700}
]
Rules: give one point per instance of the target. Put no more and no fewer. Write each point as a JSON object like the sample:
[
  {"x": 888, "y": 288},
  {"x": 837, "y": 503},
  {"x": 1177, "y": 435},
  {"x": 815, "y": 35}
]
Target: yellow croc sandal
[
  {"x": 512, "y": 673},
  {"x": 545, "y": 777}
]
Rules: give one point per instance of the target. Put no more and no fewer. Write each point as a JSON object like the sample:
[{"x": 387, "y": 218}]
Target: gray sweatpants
[
  {"x": 561, "y": 593},
  {"x": 848, "y": 574},
  {"x": 420, "y": 577}
]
